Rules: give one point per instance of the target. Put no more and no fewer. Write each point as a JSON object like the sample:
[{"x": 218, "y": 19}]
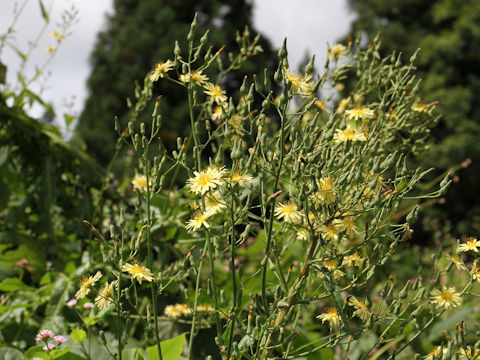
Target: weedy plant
[{"x": 281, "y": 234}]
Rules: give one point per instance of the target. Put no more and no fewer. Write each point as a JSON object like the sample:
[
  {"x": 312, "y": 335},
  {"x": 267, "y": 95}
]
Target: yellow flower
[
  {"x": 138, "y": 271},
  {"x": 434, "y": 353},
  {"x": 57, "y": 35},
  {"x": 50, "y": 48},
  {"x": 420, "y": 107},
  {"x": 331, "y": 316},
  {"x": 321, "y": 105},
  {"x": 471, "y": 244},
  {"x": 331, "y": 265},
  {"x": 160, "y": 69},
  {"x": 205, "y": 180},
  {"x": 213, "y": 203},
  {"x": 288, "y": 212},
  {"x": 105, "y": 296},
  {"x": 336, "y": 52},
  {"x": 302, "y": 234},
  {"x": 196, "y": 77},
  {"x": 359, "y": 113},
  {"x": 342, "y": 104},
  {"x": 198, "y": 220},
  {"x": 457, "y": 262},
  {"x": 244, "y": 180},
  {"x": 327, "y": 192},
  {"x": 347, "y": 224},
  {"x": 475, "y": 271},
  {"x": 446, "y": 298},
  {"x": 217, "y": 114},
  {"x": 361, "y": 310},
  {"x": 177, "y": 310},
  {"x": 329, "y": 232},
  {"x": 469, "y": 353},
  {"x": 139, "y": 182},
  {"x": 205, "y": 308},
  {"x": 215, "y": 93},
  {"x": 86, "y": 284},
  {"x": 349, "y": 134},
  {"x": 355, "y": 259},
  {"x": 300, "y": 85}
]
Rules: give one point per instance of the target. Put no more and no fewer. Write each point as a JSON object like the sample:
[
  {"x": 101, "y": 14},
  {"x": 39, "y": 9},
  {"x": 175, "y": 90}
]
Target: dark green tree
[
  {"x": 448, "y": 34},
  {"x": 141, "y": 33}
]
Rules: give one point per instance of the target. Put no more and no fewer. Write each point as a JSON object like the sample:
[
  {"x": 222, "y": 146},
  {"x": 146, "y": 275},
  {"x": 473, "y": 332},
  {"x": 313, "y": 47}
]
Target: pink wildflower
[
  {"x": 89, "y": 305},
  {"x": 43, "y": 335},
  {"x": 59, "y": 339},
  {"x": 49, "y": 347},
  {"x": 72, "y": 303},
  {"x": 22, "y": 262}
]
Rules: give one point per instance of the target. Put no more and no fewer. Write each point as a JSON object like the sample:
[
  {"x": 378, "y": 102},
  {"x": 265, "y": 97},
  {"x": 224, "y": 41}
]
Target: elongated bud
[
  {"x": 193, "y": 27},
  {"x": 283, "y": 53},
  {"x": 310, "y": 66}
]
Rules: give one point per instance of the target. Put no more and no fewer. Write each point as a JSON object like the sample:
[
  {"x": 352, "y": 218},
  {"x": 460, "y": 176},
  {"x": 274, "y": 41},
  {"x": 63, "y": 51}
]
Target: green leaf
[
  {"x": 3, "y": 73},
  {"x": 11, "y": 354},
  {"x": 78, "y": 335},
  {"x": 56, "y": 354},
  {"x": 44, "y": 11},
  {"x": 171, "y": 349},
  {"x": 14, "y": 284}
]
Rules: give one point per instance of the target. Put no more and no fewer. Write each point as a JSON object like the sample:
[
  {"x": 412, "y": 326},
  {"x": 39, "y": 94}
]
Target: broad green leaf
[
  {"x": 57, "y": 354},
  {"x": 171, "y": 349},
  {"x": 14, "y": 284},
  {"x": 78, "y": 335},
  {"x": 11, "y": 354},
  {"x": 131, "y": 354}
]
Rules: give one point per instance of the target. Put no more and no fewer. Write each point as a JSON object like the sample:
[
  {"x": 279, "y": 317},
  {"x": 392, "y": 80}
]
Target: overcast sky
[{"x": 308, "y": 25}]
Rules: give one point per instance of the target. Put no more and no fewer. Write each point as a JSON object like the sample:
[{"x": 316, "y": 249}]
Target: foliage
[
  {"x": 278, "y": 228},
  {"x": 448, "y": 35},
  {"x": 138, "y": 34}
]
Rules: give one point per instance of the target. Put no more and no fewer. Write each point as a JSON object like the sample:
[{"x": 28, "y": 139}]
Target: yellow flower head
[
  {"x": 215, "y": 93},
  {"x": 288, "y": 212},
  {"x": 139, "y": 182},
  {"x": 361, "y": 310},
  {"x": 138, "y": 271},
  {"x": 302, "y": 234},
  {"x": 213, "y": 203},
  {"x": 86, "y": 284},
  {"x": 198, "y": 220},
  {"x": 475, "y": 271},
  {"x": 471, "y": 244},
  {"x": 435, "y": 353},
  {"x": 457, "y": 261},
  {"x": 57, "y": 35},
  {"x": 177, "y": 310},
  {"x": 331, "y": 265},
  {"x": 349, "y": 134},
  {"x": 355, "y": 259},
  {"x": 347, "y": 224},
  {"x": 336, "y": 52},
  {"x": 160, "y": 69},
  {"x": 359, "y": 113},
  {"x": 196, "y": 77},
  {"x": 331, "y": 316},
  {"x": 205, "y": 180},
  {"x": 329, "y": 232},
  {"x": 420, "y": 107},
  {"x": 105, "y": 296},
  {"x": 300, "y": 85},
  {"x": 446, "y": 298},
  {"x": 50, "y": 48},
  {"x": 217, "y": 114},
  {"x": 327, "y": 192},
  {"x": 243, "y": 180}
]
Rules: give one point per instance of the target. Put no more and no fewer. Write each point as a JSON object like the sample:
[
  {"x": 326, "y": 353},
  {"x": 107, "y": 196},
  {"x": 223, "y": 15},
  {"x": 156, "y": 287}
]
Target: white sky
[{"x": 308, "y": 25}]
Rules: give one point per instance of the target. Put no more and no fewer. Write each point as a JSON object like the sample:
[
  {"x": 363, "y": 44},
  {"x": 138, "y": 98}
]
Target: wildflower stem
[
  {"x": 272, "y": 209},
  {"x": 153, "y": 284}
]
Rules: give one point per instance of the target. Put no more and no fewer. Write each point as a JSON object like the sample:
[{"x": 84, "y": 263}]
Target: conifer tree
[
  {"x": 448, "y": 35},
  {"x": 140, "y": 33}
]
